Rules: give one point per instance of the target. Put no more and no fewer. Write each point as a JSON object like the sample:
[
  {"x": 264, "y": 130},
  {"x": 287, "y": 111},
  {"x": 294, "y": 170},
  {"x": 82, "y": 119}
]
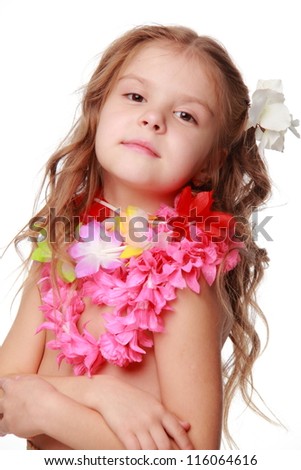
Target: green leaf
[
  {"x": 42, "y": 252},
  {"x": 66, "y": 271}
]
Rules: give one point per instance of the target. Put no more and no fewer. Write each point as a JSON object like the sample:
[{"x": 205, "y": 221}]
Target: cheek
[
  {"x": 98, "y": 140},
  {"x": 105, "y": 131},
  {"x": 202, "y": 145},
  {"x": 102, "y": 140},
  {"x": 196, "y": 152},
  {"x": 112, "y": 125}
]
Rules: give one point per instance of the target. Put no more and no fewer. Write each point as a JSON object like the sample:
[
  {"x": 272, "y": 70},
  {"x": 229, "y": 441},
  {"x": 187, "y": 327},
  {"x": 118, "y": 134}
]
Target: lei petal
[{"x": 136, "y": 282}]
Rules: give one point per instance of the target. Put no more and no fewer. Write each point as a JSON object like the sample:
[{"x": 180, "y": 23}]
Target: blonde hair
[{"x": 236, "y": 173}]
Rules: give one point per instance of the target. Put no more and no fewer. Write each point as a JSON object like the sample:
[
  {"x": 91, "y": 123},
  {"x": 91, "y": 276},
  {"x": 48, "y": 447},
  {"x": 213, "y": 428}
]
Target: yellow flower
[{"x": 133, "y": 226}]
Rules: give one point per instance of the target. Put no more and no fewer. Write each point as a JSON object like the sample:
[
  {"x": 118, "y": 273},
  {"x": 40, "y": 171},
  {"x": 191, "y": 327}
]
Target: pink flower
[
  {"x": 107, "y": 287},
  {"x": 121, "y": 349},
  {"x": 81, "y": 350},
  {"x": 138, "y": 288}
]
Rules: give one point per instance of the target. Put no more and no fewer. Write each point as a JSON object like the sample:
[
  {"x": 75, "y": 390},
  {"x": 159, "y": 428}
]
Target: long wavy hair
[{"x": 238, "y": 179}]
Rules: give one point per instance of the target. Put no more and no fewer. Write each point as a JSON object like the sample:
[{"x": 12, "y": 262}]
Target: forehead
[
  {"x": 157, "y": 53},
  {"x": 164, "y": 62}
]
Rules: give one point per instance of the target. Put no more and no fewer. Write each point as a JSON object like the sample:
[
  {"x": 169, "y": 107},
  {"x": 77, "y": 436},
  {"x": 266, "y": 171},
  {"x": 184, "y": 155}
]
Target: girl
[{"x": 140, "y": 269}]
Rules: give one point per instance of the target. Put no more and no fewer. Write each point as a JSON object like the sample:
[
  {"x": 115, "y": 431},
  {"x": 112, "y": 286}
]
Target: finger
[
  {"x": 3, "y": 430},
  {"x": 161, "y": 439},
  {"x": 177, "y": 432},
  {"x": 185, "y": 425},
  {"x": 2, "y": 383},
  {"x": 146, "y": 441},
  {"x": 130, "y": 441}
]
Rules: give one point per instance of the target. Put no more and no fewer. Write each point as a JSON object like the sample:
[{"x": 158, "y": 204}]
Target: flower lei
[
  {"x": 270, "y": 116},
  {"x": 138, "y": 278}
]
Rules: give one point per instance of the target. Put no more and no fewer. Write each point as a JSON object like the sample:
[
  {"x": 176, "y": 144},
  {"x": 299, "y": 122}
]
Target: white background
[{"x": 49, "y": 48}]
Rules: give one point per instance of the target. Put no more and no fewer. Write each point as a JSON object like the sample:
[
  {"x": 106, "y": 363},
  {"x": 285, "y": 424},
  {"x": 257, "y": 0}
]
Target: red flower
[{"x": 195, "y": 209}]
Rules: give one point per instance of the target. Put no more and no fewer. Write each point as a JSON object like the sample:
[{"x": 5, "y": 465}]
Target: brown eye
[
  {"x": 135, "y": 97},
  {"x": 185, "y": 116}
]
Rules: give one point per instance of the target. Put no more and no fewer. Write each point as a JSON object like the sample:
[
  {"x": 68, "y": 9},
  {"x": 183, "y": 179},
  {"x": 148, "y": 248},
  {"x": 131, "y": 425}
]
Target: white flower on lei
[
  {"x": 270, "y": 116},
  {"x": 97, "y": 248}
]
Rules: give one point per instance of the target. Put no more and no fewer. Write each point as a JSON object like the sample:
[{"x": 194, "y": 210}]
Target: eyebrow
[
  {"x": 133, "y": 77},
  {"x": 186, "y": 98}
]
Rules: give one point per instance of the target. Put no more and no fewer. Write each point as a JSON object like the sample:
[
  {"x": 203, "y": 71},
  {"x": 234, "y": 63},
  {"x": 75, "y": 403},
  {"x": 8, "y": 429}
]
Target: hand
[
  {"x": 138, "y": 419},
  {"x": 21, "y": 400}
]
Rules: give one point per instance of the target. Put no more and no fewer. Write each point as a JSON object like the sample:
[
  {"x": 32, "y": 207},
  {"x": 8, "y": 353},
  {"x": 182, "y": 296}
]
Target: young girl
[{"x": 143, "y": 258}]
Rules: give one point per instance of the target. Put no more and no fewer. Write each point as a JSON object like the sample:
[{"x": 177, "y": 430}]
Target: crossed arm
[{"x": 106, "y": 413}]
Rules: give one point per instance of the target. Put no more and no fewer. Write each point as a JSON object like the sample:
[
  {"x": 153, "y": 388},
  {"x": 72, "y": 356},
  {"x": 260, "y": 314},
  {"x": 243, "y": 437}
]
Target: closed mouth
[{"x": 141, "y": 146}]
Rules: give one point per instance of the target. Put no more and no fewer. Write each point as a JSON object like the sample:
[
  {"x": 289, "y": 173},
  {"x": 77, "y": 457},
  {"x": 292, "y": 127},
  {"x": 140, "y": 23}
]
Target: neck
[{"x": 121, "y": 196}]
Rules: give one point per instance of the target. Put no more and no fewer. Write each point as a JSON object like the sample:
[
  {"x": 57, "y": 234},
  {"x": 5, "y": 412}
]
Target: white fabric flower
[{"x": 270, "y": 116}]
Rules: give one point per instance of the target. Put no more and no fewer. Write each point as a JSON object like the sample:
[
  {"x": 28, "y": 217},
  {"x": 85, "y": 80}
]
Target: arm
[
  {"x": 22, "y": 352},
  {"x": 189, "y": 364},
  {"x": 58, "y": 416},
  {"x": 139, "y": 418}
]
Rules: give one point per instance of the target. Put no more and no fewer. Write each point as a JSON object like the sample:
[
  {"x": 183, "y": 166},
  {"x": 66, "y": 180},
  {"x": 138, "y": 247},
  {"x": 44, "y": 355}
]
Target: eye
[
  {"x": 135, "y": 97},
  {"x": 185, "y": 116}
]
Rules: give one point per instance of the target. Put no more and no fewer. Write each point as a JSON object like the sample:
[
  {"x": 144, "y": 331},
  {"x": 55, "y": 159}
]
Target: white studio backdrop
[{"x": 48, "y": 50}]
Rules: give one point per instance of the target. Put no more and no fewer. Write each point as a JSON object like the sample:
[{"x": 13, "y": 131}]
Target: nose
[{"x": 154, "y": 120}]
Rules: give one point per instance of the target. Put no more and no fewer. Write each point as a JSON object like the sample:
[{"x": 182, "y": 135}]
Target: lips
[{"x": 141, "y": 146}]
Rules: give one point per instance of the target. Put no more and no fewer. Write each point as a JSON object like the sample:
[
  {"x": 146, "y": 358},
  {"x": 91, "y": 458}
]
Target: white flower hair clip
[{"x": 270, "y": 116}]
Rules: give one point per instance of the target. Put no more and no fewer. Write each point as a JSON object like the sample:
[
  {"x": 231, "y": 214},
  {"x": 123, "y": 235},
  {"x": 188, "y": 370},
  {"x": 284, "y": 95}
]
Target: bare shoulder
[
  {"x": 202, "y": 311},
  {"x": 22, "y": 349}
]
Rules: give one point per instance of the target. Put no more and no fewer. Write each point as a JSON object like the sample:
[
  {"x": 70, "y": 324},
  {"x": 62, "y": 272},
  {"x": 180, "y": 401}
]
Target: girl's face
[{"x": 158, "y": 123}]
